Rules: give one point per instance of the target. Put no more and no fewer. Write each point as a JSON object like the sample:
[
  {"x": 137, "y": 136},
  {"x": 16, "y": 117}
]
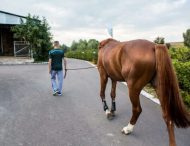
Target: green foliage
[
  {"x": 37, "y": 33},
  {"x": 74, "y": 46},
  {"x": 92, "y": 44},
  {"x": 183, "y": 74},
  {"x": 82, "y": 45},
  {"x": 186, "y": 97},
  {"x": 159, "y": 40},
  {"x": 181, "y": 61},
  {"x": 85, "y": 50},
  {"x": 186, "y": 37},
  {"x": 181, "y": 54},
  {"x": 64, "y": 47},
  {"x": 89, "y": 55}
]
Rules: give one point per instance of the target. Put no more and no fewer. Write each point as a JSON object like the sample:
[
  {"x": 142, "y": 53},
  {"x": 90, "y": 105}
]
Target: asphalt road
[{"x": 31, "y": 116}]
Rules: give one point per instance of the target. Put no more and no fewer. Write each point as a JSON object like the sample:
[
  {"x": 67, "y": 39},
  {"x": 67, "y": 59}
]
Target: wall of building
[
  {"x": 7, "y": 20},
  {"x": 7, "y": 41}
]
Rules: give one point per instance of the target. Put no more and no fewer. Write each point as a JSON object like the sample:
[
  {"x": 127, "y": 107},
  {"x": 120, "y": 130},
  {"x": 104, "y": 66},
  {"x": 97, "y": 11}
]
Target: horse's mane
[{"x": 106, "y": 41}]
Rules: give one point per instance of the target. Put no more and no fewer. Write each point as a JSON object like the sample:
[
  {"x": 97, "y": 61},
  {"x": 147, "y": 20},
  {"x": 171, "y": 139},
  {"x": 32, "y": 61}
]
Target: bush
[
  {"x": 183, "y": 74},
  {"x": 89, "y": 55},
  {"x": 181, "y": 61},
  {"x": 180, "y": 54},
  {"x": 186, "y": 97}
]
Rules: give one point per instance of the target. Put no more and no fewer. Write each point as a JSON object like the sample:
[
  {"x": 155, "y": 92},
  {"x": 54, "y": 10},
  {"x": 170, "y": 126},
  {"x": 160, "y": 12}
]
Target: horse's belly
[{"x": 115, "y": 75}]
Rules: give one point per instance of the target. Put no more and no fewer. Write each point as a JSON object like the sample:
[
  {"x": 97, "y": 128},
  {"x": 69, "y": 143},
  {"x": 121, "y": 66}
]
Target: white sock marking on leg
[
  {"x": 107, "y": 112},
  {"x": 128, "y": 129}
]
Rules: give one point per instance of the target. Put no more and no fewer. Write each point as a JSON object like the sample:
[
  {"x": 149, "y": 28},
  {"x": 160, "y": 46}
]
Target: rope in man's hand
[
  {"x": 81, "y": 68},
  {"x": 78, "y": 69}
]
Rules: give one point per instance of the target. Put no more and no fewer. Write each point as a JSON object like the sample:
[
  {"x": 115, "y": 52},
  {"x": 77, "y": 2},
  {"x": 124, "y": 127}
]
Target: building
[{"x": 7, "y": 42}]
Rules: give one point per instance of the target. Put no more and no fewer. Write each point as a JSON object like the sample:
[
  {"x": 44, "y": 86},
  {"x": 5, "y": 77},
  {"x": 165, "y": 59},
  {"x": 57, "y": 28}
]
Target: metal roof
[{"x": 9, "y": 18}]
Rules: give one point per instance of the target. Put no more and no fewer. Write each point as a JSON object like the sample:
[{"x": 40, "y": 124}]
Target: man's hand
[
  {"x": 65, "y": 73},
  {"x": 49, "y": 65}
]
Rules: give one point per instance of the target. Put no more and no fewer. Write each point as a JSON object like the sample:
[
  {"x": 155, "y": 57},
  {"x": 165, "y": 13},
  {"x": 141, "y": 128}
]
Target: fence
[{"x": 22, "y": 49}]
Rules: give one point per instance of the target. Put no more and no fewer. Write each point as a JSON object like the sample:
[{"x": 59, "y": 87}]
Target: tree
[
  {"x": 186, "y": 37},
  {"x": 64, "y": 47},
  {"x": 37, "y": 33},
  {"x": 159, "y": 40},
  {"x": 74, "y": 45},
  {"x": 82, "y": 45},
  {"x": 92, "y": 44}
]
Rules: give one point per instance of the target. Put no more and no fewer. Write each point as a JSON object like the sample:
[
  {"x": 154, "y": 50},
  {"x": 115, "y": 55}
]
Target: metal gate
[{"x": 22, "y": 49}]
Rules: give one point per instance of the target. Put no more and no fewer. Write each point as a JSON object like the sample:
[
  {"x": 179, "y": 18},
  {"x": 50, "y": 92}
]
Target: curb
[
  {"x": 22, "y": 63},
  {"x": 151, "y": 97}
]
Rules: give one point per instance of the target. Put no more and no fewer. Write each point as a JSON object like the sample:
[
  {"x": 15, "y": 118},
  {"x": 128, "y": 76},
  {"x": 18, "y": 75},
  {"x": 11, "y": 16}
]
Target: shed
[{"x": 7, "y": 20}]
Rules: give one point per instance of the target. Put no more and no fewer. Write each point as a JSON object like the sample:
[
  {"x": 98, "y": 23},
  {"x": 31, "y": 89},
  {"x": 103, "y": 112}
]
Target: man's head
[{"x": 56, "y": 44}]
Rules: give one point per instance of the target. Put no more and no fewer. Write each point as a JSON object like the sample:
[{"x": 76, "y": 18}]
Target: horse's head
[{"x": 105, "y": 42}]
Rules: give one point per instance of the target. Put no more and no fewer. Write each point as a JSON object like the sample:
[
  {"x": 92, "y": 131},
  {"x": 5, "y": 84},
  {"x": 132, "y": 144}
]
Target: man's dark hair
[{"x": 56, "y": 43}]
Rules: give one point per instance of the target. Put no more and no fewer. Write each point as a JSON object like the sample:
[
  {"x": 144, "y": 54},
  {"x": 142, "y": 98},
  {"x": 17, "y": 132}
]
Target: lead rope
[{"x": 81, "y": 68}]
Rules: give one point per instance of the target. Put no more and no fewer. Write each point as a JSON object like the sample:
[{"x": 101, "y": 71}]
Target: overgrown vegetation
[{"x": 37, "y": 33}]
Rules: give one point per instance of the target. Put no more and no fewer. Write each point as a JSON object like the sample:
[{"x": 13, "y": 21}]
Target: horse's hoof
[
  {"x": 126, "y": 132},
  {"x": 108, "y": 114},
  {"x": 127, "y": 129},
  {"x": 113, "y": 114},
  {"x": 122, "y": 131}
]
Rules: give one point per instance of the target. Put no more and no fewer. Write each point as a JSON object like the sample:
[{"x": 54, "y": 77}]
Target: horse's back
[{"x": 138, "y": 51}]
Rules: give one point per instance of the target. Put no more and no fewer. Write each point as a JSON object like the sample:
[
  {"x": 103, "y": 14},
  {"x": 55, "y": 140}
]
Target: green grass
[{"x": 149, "y": 89}]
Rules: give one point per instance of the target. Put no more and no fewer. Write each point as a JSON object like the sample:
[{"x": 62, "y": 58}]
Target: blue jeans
[{"x": 59, "y": 75}]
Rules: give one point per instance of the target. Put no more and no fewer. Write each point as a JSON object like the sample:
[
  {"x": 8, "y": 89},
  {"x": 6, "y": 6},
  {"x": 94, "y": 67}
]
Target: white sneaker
[
  {"x": 59, "y": 93},
  {"x": 55, "y": 93}
]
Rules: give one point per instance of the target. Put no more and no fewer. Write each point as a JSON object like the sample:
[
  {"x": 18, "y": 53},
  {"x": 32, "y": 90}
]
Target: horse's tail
[{"x": 168, "y": 89}]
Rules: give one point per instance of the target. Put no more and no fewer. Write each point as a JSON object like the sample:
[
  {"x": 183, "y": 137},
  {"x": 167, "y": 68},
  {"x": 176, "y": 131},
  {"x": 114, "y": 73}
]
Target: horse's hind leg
[
  {"x": 113, "y": 94},
  {"x": 170, "y": 127},
  {"x": 136, "y": 109}
]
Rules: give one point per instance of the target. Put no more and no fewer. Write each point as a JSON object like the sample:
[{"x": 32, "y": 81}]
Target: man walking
[{"x": 55, "y": 68}]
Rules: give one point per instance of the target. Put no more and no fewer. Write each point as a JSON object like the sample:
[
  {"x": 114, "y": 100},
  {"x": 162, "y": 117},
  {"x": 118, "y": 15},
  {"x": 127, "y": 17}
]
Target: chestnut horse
[{"x": 139, "y": 62}]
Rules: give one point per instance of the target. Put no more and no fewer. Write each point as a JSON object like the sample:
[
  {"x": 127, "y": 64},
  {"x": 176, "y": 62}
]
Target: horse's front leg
[
  {"x": 103, "y": 82},
  {"x": 113, "y": 94}
]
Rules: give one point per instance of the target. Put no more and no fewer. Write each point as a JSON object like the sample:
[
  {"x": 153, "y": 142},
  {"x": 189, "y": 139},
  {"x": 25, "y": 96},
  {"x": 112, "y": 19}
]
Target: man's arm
[{"x": 49, "y": 65}]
